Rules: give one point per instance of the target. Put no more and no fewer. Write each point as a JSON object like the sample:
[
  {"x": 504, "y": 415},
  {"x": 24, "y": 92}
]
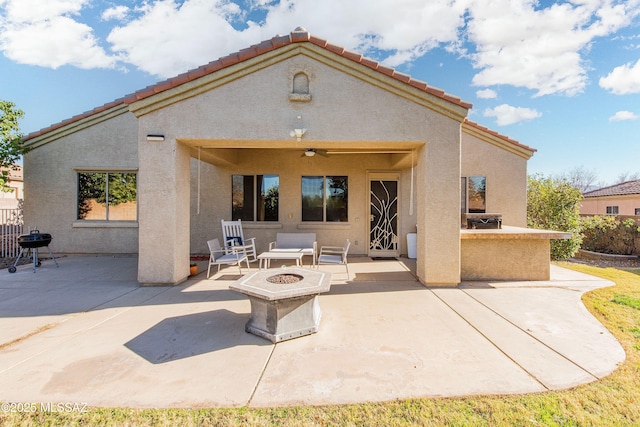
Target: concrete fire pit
[{"x": 284, "y": 301}]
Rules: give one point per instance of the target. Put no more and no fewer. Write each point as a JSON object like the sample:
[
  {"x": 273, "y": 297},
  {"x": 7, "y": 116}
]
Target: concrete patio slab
[{"x": 86, "y": 331}]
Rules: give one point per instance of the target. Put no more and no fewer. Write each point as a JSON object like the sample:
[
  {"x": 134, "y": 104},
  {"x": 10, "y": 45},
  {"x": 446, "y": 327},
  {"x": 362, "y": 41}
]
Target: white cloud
[
  {"x": 510, "y": 42},
  {"x": 623, "y": 80},
  {"x": 198, "y": 31},
  {"x": 73, "y": 44},
  {"x": 46, "y": 34},
  {"x": 623, "y": 115},
  {"x": 37, "y": 10},
  {"x": 487, "y": 94},
  {"x": 168, "y": 39},
  {"x": 540, "y": 49},
  {"x": 116, "y": 13},
  {"x": 506, "y": 114}
]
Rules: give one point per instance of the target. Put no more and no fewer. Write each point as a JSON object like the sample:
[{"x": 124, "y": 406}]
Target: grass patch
[
  {"x": 628, "y": 301},
  {"x": 611, "y": 401}
]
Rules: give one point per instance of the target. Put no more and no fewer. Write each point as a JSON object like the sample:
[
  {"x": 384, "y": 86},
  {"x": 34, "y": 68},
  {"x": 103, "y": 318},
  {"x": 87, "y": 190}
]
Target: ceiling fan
[{"x": 310, "y": 152}]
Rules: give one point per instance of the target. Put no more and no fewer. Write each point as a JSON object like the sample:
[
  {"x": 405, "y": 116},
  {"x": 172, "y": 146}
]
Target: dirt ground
[
  {"x": 621, "y": 264},
  {"x": 7, "y": 262}
]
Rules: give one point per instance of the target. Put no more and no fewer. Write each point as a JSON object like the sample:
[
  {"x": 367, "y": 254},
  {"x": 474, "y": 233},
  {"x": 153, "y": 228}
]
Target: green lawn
[{"x": 612, "y": 401}]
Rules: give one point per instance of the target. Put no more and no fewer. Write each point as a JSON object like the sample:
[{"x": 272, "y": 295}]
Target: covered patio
[{"x": 86, "y": 331}]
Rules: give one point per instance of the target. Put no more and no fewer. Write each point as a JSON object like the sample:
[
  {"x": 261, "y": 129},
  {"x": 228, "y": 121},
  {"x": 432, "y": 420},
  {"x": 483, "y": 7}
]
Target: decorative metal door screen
[{"x": 383, "y": 240}]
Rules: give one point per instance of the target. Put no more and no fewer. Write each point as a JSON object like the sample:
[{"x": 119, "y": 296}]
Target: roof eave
[
  {"x": 82, "y": 121},
  {"x": 499, "y": 140}
]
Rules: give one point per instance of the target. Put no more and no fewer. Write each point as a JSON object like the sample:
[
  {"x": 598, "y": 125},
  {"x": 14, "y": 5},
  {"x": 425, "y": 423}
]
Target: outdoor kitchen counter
[
  {"x": 509, "y": 253},
  {"x": 510, "y": 232}
]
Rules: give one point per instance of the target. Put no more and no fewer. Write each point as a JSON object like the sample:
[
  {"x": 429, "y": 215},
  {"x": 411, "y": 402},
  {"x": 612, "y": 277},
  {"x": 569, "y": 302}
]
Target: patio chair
[
  {"x": 219, "y": 256},
  {"x": 334, "y": 255},
  {"x": 234, "y": 239}
]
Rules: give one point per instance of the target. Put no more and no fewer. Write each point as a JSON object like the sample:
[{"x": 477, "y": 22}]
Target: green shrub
[
  {"x": 554, "y": 204},
  {"x": 608, "y": 234}
]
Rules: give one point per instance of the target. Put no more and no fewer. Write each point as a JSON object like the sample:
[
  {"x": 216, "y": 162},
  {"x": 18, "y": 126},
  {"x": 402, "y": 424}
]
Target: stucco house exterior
[
  {"x": 10, "y": 199},
  {"x": 618, "y": 199},
  {"x": 230, "y": 140}
]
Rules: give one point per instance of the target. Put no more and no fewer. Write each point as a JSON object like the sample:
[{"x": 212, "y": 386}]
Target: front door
[{"x": 383, "y": 215}]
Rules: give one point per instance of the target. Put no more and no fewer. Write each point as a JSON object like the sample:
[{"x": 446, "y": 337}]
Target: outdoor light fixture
[
  {"x": 155, "y": 137},
  {"x": 297, "y": 133},
  {"x": 310, "y": 152}
]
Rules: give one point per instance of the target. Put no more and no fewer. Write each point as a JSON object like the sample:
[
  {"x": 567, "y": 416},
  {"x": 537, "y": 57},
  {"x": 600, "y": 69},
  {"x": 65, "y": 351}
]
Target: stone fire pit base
[{"x": 283, "y": 309}]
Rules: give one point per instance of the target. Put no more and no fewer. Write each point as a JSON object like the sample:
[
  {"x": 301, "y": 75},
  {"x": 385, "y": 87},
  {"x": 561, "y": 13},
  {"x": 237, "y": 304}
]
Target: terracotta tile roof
[
  {"x": 498, "y": 135},
  {"x": 299, "y": 35},
  {"x": 623, "y": 189}
]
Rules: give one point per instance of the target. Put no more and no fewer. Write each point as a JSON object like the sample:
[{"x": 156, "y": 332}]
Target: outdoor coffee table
[
  {"x": 264, "y": 259},
  {"x": 284, "y": 301}
]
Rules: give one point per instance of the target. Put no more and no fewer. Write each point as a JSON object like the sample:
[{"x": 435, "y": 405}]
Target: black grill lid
[{"x": 34, "y": 240}]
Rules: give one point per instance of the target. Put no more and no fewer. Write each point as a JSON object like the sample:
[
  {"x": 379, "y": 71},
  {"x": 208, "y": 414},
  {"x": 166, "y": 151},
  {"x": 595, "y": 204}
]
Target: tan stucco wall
[
  {"x": 50, "y": 186},
  {"x": 505, "y": 259},
  {"x": 510, "y": 253},
  {"x": 506, "y": 178},
  {"x": 627, "y": 205},
  {"x": 345, "y": 111},
  {"x": 438, "y": 201},
  {"x": 163, "y": 206}
]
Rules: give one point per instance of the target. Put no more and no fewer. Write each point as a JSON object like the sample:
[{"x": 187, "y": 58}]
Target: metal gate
[
  {"x": 11, "y": 226},
  {"x": 383, "y": 219}
]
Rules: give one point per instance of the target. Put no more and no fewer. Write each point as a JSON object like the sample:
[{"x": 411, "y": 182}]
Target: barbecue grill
[{"x": 29, "y": 244}]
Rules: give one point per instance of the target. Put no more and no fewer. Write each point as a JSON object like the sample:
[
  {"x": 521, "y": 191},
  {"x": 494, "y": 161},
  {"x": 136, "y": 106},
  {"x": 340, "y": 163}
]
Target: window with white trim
[
  {"x": 107, "y": 196},
  {"x": 473, "y": 194},
  {"x": 325, "y": 198},
  {"x": 255, "y": 197}
]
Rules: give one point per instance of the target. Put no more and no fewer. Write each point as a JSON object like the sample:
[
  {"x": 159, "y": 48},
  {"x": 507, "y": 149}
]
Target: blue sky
[{"x": 560, "y": 76}]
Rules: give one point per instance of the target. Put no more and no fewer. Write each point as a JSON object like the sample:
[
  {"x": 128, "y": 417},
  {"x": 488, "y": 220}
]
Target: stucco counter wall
[{"x": 510, "y": 253}]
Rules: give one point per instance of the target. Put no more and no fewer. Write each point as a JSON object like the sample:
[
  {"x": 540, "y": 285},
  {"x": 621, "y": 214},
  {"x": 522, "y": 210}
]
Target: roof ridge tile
[
  {"x": 334, "y": 48},
  {"x": 318, "y": 41},
  {"x": 350, "y": 54}
]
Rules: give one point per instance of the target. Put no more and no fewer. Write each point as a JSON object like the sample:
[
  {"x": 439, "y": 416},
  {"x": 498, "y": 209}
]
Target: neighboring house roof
[
  {"x": 623, "y": 189},
  {"x": 15, "y": 174}
]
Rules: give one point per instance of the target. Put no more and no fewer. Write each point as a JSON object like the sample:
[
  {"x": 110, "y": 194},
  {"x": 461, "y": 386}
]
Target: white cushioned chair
[
  {"x": 219, "y": 256},
  {"x": 335, "y": 255}
]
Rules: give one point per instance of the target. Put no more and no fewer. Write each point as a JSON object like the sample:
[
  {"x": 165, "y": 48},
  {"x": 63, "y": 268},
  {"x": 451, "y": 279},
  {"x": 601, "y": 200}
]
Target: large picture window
[
  {"x": 107, "y": 196},
  {"x": 473, "y": 197},
  {"x": 325, "y": 198},
  {"x": 255, "y": 197}
]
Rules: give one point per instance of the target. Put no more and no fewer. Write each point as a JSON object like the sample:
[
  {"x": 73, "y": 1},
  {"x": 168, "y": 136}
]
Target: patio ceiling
[{"x": 230, "y": 152}]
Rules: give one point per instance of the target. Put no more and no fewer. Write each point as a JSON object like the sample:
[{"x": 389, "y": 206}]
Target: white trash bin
[{"x": 412, "y": 239}]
